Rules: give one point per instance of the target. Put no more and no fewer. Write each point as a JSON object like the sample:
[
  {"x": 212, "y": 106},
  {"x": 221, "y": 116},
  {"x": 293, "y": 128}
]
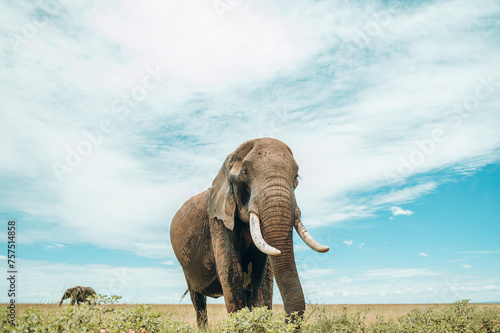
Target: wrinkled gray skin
[
  {"x": 211, "y": 239},
  {"x": 77, "y": 294}
]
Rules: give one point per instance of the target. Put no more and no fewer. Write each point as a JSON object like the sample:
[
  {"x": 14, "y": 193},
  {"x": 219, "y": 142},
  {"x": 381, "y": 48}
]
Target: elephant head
[
  {"x": 67, "y": 294},
  {"x": 256, "y": 185}
]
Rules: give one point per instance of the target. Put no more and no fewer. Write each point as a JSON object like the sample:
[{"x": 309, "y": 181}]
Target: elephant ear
[{"x": 222, "y": 201}]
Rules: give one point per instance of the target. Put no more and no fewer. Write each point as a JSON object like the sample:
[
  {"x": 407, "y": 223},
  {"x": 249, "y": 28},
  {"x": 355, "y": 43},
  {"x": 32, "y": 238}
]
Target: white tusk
[
  {"x": 257, "y": 237},
  {"x": 308, "y": 239}
]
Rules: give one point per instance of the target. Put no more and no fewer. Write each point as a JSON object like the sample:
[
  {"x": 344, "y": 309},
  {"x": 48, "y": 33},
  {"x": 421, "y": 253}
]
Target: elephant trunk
[
  {"x": 288, "y": 282},
  {"x": 277, "y": 213}
]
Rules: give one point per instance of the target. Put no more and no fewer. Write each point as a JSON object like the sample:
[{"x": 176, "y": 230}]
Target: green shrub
[
  {"x": 333, "y": 322},
  {"x": 259, "y": 320},
  {"x": 382, "y": 326},
  {"x": 93, "y": 316},
  {"x": 458, "y": 317},
  {"x": 101, "y": 313},
  {"x": 144, "y": 317}
]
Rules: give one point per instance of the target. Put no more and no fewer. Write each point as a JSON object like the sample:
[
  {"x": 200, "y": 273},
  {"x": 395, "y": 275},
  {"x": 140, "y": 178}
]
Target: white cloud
[
  {"x": 361, "y": 245},
  {"x": 55, "y": 246},
  {"x": 258, "y": 71},
  {"x": 490, "y": 287},
  {"x": 408, "y": 285},
  {"x": 423, "y": 254},
  {"x": 194, "y": 44},
  {"x": 477, "y": 252},
  {"x": 400, "y": 211},
  {"x": 406, "y": 194},
  {"x": 466, "y": 266},
  {"x": 392, "y": 273},
  {"x": 311, "y": 275},
  {"x": 348, "y": 242},
  {"x": 45, "y": 282},
  {"x": 345, "y": 279}
]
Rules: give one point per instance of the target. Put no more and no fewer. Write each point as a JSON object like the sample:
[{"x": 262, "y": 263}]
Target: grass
[
  {"x": 391, "y": 311},
  {"x": 217, "y": 312},
  {"x": 460, "y": 316}
]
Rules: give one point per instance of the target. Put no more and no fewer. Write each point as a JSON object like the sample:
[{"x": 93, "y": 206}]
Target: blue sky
[{"x": 113, "y": 113}]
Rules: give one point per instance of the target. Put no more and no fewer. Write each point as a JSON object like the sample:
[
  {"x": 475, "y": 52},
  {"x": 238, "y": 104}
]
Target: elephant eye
[
  {"x": 244, "y": 172},
  {"x": 296, "y": 181}
]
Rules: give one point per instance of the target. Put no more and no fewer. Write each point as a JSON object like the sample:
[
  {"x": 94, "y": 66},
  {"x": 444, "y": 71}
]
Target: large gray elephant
[
  {"x": 77, "y": 294},
  {"x": 234, "y": 237}
]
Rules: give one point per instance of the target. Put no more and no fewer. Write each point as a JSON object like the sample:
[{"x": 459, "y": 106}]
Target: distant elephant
[
  {"x": 234, "y": 237},
  {"x": 77, "y": 294}
]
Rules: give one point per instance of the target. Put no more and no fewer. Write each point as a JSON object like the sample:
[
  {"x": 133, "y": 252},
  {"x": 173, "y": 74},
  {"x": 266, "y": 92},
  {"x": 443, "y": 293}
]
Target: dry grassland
[{"x": 217, "y": 312}]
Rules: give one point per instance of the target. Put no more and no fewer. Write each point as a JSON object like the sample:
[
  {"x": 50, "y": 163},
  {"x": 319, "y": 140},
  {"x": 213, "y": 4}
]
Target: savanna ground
[
  {"x": 457, "y": 317},
  {"x": 217, "y": 312}
]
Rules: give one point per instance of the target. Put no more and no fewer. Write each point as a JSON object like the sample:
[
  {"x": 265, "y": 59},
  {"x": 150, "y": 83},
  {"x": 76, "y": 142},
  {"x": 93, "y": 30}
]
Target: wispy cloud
[
  {"x": 490, "y": 287},
  {"x": 362, "y": 116},
  {"x": 135, "y": 284},
  {"x": 400, "y": 211},
  {"x": 466, "y": 266},
  {"x": 423, "y": 254},
  {"x": 478, "y": 252},
  {"x": 348, "y": 242},
  {"x": 345, "y": 279},
  {"x": 397, "y": 285},
  {"x": 393, "y": 273},
  {"x": 55, "y": 246}
]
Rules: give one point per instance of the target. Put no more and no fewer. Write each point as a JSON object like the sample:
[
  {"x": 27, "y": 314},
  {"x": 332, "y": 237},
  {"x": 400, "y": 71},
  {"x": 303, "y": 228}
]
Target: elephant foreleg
[
  {"x": 228, "y": 265},
  {"x": 262, "y": 285}
]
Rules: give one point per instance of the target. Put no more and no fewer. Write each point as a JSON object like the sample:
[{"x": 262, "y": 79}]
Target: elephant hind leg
[{"x": 200, "y": 306}]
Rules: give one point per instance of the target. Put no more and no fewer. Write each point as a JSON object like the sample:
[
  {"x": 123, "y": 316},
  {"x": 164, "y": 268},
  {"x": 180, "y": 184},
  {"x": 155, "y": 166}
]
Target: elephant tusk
[
  {"x": 257, "y": 238},
  {"x": 308, "y": 239}
]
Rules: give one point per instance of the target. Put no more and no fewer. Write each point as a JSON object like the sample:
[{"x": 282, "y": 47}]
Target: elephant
[
  {"x": 77, "y": 294},
  {"x": 234, "y": 238}
]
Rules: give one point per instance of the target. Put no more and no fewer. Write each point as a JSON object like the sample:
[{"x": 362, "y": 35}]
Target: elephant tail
[{"x": 184, "y": 295}]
